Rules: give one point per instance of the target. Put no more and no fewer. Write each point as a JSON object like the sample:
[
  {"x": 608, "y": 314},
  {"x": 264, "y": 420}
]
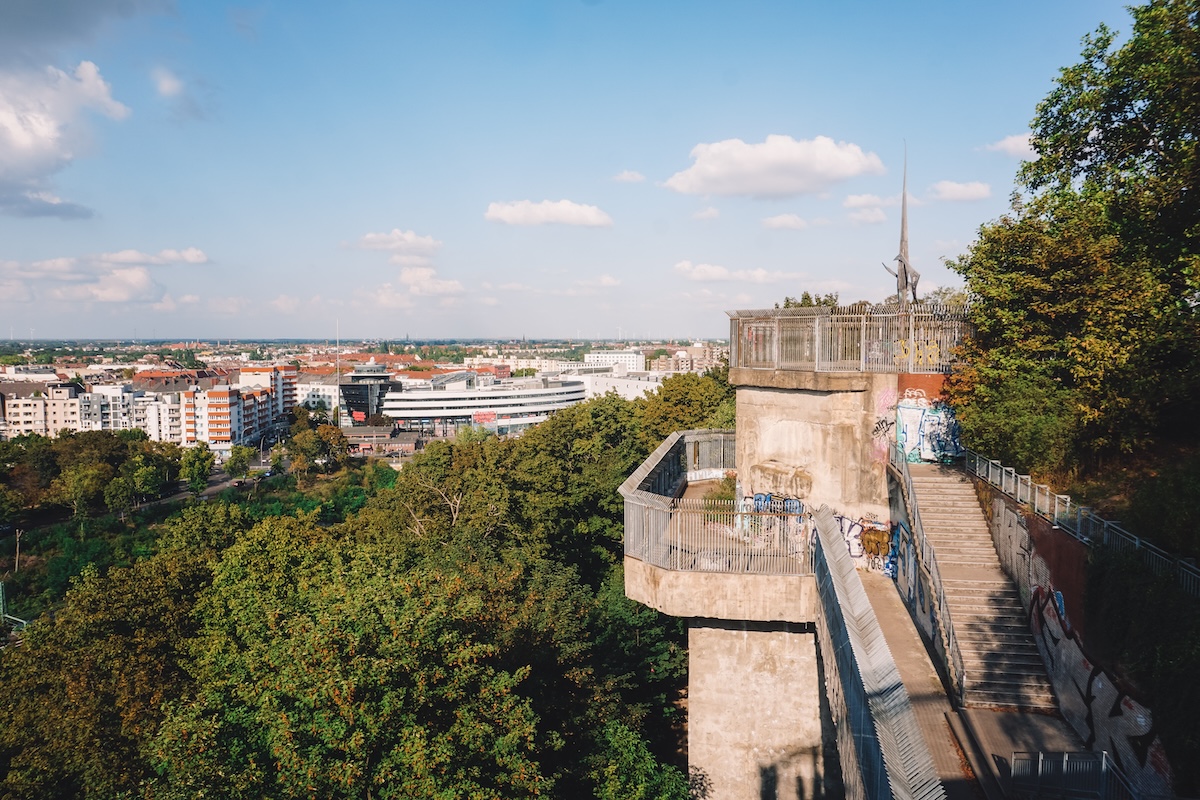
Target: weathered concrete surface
[
  {"x": 719, "y": 595},
  {"x": 754, "y": 711},
  {"x": 822, "y": 445}
]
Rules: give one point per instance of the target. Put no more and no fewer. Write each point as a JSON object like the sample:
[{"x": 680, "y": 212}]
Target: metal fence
[
  {"x": 1073, "y": 775},
  {"x": 883, "y": 753},
  {"x": 928, "y": 560},
  {"x": 1080, "y": 522},
  {"x": 707, "y": 535},
  {"x": 881, "y": 339},
  {"x": 8, "y": 619}
]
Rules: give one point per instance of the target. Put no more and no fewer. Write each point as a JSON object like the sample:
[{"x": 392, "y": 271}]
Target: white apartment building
[
  {"x": 44, "y": 413},
  {"x": 632, "y": 360},
  {"x": 280, "y": 379},
  {"x": 108, "y": 408}
]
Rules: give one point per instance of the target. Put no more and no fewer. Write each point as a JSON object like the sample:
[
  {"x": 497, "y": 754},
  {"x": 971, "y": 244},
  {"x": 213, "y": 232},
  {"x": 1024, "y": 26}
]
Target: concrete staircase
[{"x": 1002, "y": 663}]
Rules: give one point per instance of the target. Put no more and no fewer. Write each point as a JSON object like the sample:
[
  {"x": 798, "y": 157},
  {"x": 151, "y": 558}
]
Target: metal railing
[
  {"x": 1073, "y": 775},
  {"x": 920, "y": 339},
  {"x": 928, "y": 560},
  {"x": 707, "y": 535},
  {"x": 882, "y": 750},
  {"x": 1080, "y": 522},
  {"x": 5, "y": 617}
]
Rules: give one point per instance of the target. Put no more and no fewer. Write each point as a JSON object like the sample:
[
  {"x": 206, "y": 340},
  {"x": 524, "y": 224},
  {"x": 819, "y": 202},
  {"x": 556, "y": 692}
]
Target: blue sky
[{"x": 497, "y": 169}]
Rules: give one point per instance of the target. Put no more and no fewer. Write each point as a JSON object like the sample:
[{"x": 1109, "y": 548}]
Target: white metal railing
[
  {"x": 707, "y": 535},
  {"x": 882, "y": 750},
  {"x": 1070, "y": 774},
  {"x": 928, "y": 560},
  {"x": 1080, "y": 522},
  {"x": 919, "y": 339}
]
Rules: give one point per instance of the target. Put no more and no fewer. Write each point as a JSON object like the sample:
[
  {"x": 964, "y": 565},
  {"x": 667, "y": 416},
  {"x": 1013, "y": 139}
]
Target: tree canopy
[{"x": 1087, "y": 292}]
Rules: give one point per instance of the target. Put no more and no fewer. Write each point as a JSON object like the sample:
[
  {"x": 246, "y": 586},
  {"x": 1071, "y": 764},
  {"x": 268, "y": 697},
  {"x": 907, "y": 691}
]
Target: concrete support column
[{"x": 755, "y": 704}]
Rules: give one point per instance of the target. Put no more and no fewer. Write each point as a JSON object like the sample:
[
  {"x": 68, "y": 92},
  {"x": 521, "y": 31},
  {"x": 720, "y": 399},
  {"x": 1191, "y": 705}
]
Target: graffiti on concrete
[
  {"x": 870, "y": 543},
  {"x": 912, "y": 582},
  {"x": 1091, "y": 698},
  {"x": 768, "y": 504},
  {"x": 1094, "y": 701},
  {"x": 885, "y": 423},
  {"x": 925, "y": 430}
]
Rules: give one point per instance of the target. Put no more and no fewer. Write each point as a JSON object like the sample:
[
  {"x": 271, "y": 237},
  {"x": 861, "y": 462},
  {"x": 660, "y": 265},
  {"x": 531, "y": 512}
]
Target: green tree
[
  {"x": 84, "y": 692},
  {"x": 119, "y": 495},
  {"x": 807, "y": 300},
  {"x": 1088, "y": 293},
  {"x": 195, "y": 465},
  {"x": 335, "y": 447},
  {"x": 81, "y": 485},
  {"x": 238, "y": 463}
]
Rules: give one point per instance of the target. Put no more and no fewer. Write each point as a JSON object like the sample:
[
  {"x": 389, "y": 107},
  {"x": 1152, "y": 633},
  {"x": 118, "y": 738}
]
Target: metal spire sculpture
[{"x": 906, "y": 276}]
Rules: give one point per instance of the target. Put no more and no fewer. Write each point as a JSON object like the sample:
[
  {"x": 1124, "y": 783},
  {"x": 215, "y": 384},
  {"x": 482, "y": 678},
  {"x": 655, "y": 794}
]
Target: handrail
[
  {"x": 916, "y": 339},
  {"x": 883, "y": 752},
  {"x": 1070, "y": 774},
  {"x": 957, "y": 667},
  {"x": 1079, "y": 521},
  {"x": 707, "y": 535}
]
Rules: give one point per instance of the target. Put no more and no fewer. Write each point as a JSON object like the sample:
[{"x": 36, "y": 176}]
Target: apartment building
[
  {"x": 280, "y": 379},
  {"x": 45, "y": 412}
]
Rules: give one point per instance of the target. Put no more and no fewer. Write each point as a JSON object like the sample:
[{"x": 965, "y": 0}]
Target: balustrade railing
[
  {"x": 707, "y": 535},
  {"x": 928, "y": 560},
  {"x": 918, "y": 339},
  {"x": 1076, "y": 775},
  {"x": 883, "y": 753},
  {"x": 1080, "y": 521}
]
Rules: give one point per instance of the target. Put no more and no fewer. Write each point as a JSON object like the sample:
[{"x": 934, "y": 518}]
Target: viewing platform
[{"x": 824, "y": 348}]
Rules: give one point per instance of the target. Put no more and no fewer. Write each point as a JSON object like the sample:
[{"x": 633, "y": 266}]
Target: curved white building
[{"x": 504, "y": 407}]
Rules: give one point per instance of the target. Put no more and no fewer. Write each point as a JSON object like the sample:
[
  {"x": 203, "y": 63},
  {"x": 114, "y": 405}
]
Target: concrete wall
[
  {"x": 816, "y": 437},
  {"x": 1049, "y": 567},
  {"x": 721, "y": 595},
  {"x": 754, "y": 711}
]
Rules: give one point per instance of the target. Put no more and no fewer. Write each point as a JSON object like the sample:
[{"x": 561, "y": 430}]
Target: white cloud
[
  {"x": 629, "y": 176},
  {"x": 949, "y": 190},
  {"x": 41, "y": 131},
  {"x": 189, "y": 255},
  {"x": 868, "y": 216},
  {"x": 286, "y": 304},
  {"x": 167, "y": 304},
  {"x": 785, "y": 221},
  {"x": 406, "y": 247},
  {"x": 121, "y": 285},
  {"x": 166, "y": 83},
  {"x": 423, "y": 281},
  {"x": 601, "y": 282},
  {"x": 714, "y": 272},
  {"x": 778, "y": 167},
  {"x": 864, "y": 201},
  {"x": 228, "y": 304},
  {"x": 561, "y": 212},
  {"x": 707, "y": 213},
  {"x": 1017, "y": 146}
]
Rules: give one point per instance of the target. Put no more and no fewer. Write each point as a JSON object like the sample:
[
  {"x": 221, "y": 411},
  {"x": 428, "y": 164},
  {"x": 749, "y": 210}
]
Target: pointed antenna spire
[{"x": 903, "y": 257}]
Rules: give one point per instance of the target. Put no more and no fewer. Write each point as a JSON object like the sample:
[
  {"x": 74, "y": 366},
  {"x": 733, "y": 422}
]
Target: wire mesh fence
[
  {"x": 1080, "y": 522},
  {"x": 919, "y": 339}
]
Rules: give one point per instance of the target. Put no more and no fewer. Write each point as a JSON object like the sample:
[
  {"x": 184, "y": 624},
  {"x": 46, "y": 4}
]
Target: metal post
[
  {"x": 17, "y": 567},
  {"x": 816, "y": 343},
  {"x": 862, "y": 346}
]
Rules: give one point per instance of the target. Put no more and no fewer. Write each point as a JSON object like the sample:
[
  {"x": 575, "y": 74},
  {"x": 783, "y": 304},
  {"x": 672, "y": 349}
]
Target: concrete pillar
[{"x": 755, "y": 704}]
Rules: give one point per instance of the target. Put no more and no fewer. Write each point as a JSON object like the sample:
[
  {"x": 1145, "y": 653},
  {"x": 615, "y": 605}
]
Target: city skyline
[{"x": 546, "y": 170}]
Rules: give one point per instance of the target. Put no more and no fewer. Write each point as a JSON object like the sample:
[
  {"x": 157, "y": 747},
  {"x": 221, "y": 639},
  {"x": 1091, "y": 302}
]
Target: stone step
[
  {"x": 987, "y": 641},
  {"x": 1017, "y": 661},
  {"x": 1002, "y": 698},
  {"x": 992, "y": 607}
]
